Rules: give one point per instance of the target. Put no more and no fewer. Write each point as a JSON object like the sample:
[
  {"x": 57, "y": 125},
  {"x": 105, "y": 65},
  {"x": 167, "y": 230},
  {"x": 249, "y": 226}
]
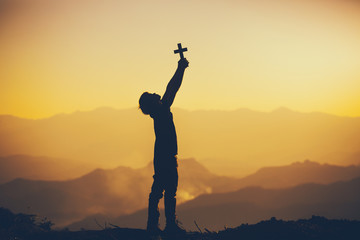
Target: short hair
[{"x": 145, "y": 103}]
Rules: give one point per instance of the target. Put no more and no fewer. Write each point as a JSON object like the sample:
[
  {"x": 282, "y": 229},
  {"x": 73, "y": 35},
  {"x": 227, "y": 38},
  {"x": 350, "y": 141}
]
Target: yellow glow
[{"x": 62, "y": 56}]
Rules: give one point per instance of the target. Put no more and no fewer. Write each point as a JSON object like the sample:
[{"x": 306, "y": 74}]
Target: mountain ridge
[
  {"x": 40, "y": 168},
  {"x": 241, "y": 109},
  {"x": 228, "y": 142},
  {"x": 252, "y": 204},
  {"x": 123, "y": 190}
]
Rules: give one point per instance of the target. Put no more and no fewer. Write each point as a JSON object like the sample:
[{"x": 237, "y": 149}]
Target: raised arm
[{"x": 175, "y": 82}]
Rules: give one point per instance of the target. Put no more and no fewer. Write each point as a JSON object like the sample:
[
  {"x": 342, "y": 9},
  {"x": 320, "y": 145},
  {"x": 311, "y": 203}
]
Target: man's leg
[
  {"x": 153, "y": 209},
  {"x": 170, "y": 196},
  {"x": 170, "y": 201}
]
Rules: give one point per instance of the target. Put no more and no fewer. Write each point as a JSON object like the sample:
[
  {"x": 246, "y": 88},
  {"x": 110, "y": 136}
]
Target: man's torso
[{"x": 166, "y": 140}]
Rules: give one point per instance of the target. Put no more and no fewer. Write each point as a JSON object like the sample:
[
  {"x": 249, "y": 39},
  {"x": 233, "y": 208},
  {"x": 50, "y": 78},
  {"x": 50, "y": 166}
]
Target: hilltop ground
[{"x": 27, "y": 227}]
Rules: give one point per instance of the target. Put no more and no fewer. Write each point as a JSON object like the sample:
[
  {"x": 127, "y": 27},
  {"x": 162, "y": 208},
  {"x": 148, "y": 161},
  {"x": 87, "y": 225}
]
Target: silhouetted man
[{"x": 165, "y": 154}]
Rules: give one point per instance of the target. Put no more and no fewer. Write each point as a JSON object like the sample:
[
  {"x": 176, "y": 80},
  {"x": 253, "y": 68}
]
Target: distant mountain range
[
  {"x": 339, "y": 200},
  {"x": 299, "y": 173},
  {"x": 66, "y": 201},
  {"x": 124, "y": 190},
  {"x": 234, "y": 143},
  {"x": 115, "y": 192},
  {"x": 41, "y": 168}
]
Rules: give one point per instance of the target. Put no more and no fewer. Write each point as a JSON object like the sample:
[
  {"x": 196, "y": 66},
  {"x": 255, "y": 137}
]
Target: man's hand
[{"x": 183, "y": 63}]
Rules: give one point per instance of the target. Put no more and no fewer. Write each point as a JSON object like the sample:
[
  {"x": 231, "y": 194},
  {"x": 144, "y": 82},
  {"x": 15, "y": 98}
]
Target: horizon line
[{"x": 278, "y": 109}]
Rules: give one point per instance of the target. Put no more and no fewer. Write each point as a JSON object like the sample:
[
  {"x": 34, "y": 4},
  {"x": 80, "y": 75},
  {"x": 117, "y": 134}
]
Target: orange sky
[{"x": 67, "y": 55}]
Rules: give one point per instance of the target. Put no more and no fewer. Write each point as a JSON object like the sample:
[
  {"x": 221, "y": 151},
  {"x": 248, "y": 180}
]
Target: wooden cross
[{"x": 180, "y": 50}]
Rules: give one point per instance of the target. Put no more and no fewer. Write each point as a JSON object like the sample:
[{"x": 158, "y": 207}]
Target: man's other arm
[{"x": 175, "y": 82}]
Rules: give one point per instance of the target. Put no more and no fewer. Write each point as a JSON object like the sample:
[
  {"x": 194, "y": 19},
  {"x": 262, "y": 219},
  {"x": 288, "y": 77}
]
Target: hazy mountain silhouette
[
  {"x": 67, "y": 201},
  {"x": 124, "y": 190},
  {"x": 273, "y": 177},
  {"x": 44, "y": 168},
  {"x": 40, "y": 168},
  {"x": 249, "y": 205},
  {"x": 227, "y": 142},
  {"x": 198, "y": 179},
  {"x": 299, "y": 173},
  {"x": 114, "y": 192}
]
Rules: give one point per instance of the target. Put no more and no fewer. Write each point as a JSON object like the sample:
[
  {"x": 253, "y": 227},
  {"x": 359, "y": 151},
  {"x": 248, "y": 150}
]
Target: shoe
[
  {"x": 154, "y": 231},
  {"x": 174, "y": 229}
]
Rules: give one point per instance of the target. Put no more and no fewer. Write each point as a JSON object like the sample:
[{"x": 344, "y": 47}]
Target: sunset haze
[
  {"x": 64, "y": 56},
  {"x": 267, "y": 117}
]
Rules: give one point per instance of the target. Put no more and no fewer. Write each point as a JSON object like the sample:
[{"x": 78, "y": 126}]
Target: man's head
[{"x": 148, "y": 102}]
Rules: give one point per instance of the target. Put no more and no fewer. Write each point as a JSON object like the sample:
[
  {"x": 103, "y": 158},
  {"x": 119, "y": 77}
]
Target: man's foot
[
  {"x": 174, "y": 229},
  {"x": 154, "y": 231}
]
